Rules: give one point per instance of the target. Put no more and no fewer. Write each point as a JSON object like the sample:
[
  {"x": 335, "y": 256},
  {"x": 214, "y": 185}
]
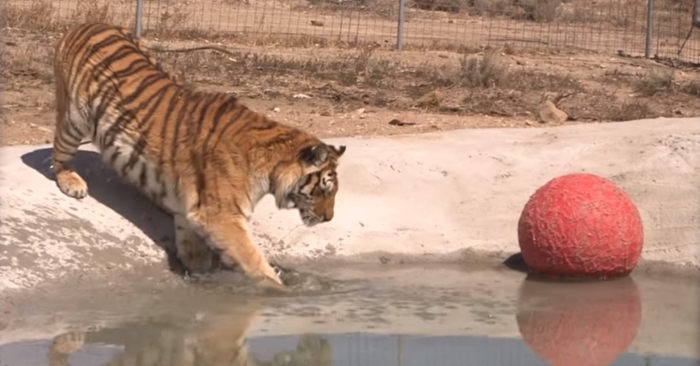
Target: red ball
[
  {"x": 579, "y": 324},
  {"x": 580, "y": 225}
]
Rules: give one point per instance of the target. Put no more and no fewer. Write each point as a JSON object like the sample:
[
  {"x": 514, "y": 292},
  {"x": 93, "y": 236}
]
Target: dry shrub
[
  {"x": 37, "y": 16},
  {"x": 93, "y": 11},
  {"x": 630, "y": 111},
  {"x": 653, "y": 82},
  {"x": 541, "y": 11},
  {"x": 170, "y": 22},
  {"x": 536, "y": 10},
  {"x": 387, "y": 9},
  {"x": 450, "y": 6},
  {"x": 543, "y": 81},
  {"x": 692, "y": 88},
  {"x": 488, "y": 71},
  {"x": 579, "y": 15},
  {"x": 41, "y": 16},
  {"x": 490, "y": 7}
]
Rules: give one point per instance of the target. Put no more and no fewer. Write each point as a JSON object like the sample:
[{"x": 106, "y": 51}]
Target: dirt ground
[{"x": 374, "y": 91}]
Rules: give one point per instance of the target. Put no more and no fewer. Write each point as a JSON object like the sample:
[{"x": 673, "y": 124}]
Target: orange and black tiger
[
  {"x": 209, "y": 338},
  {"x": 202, "y": 156}
]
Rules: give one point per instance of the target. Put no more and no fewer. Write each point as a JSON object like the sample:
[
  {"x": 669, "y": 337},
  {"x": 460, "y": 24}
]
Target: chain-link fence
[{"x": 606, "y": 26}]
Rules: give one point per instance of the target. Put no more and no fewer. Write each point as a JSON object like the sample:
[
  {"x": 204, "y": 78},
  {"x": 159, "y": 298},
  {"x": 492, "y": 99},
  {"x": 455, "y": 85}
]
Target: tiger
[
  {"x": 218, "y": 339},
  {"x": 202, "y": 156}
]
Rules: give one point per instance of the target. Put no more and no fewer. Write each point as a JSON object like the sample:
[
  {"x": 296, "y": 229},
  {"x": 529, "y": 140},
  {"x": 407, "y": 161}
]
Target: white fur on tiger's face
[{"x": 314, "y": 196}]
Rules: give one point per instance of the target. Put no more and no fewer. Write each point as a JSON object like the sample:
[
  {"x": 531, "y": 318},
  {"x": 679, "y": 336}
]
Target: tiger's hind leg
[
  {"x": 67, "y": 138},
  {"x": 192, "y": 250}
]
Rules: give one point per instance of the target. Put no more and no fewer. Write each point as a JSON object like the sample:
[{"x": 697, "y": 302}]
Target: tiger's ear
[
  {"x": 317, "y": 155},
  {"x": 339, "y": 150},
  {"x": 314, "y": 155}
]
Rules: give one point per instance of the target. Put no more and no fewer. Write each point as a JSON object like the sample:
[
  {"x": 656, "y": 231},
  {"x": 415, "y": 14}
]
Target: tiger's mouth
[{"x": 309, "y": 219}]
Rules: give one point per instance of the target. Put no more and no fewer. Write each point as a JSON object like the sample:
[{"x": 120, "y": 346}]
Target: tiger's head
[{"x": 313, "y": 192}]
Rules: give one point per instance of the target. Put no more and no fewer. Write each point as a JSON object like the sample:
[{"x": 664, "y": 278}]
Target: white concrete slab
[{"x": 421, "y": 196}]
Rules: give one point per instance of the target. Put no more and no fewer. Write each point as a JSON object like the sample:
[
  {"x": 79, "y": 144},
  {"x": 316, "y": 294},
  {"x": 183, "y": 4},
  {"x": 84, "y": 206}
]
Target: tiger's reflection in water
[{"x": 218, "y": 339}]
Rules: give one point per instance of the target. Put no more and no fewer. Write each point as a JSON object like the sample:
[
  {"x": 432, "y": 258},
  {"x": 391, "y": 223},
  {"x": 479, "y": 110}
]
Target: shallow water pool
[{"x": 360, "y": 315}]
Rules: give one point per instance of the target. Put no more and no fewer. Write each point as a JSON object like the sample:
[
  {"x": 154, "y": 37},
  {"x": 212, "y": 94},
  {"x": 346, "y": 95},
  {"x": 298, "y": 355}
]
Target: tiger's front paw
[
  {"x": 71, "y": 184},
  {"x": 279, "y": 271},
  {"x": 269, "y": 284}
]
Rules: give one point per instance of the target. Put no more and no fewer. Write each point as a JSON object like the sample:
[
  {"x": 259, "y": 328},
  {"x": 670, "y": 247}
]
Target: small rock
[
  {"x": 396, "y": 122},
  {"x": 547, "y": 112},
  {"x": 360, "y": 111},
  {"x": 276, "y": 109},
  {"x": 300, "y": 96},
  {"x": 317, "y": 23}
]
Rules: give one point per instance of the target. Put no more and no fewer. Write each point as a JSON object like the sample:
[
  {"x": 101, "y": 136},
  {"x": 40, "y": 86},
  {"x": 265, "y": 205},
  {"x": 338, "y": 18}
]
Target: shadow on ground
[
  {"x": 516, "y": 262},
  {"x": 106, "y": 187},
  {"x": 110, "y": 190}
]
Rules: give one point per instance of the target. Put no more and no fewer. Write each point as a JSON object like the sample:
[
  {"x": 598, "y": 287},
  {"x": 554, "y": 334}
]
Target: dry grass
[
  {"x": 477, "y": 81},
  {"x": 445, "y": 25},
  {"x": 41, "y": 15},
  {"x": 473, "y": 78},
  {"x": 535, "y": 10},
  {"x": 630, "y": 111},
  {"x": 692, "y": 88},
  {"x": 655, "y": 81}
]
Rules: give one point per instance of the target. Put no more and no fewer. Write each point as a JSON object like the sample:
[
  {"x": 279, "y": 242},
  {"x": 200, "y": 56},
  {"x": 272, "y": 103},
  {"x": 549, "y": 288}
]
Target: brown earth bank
[{"x": 372, "y": 91}]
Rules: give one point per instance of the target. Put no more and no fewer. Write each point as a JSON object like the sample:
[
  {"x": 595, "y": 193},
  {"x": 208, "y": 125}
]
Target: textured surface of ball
[
  {"x": 580, "y": 225},
  {"x": 579, "y": 324}
]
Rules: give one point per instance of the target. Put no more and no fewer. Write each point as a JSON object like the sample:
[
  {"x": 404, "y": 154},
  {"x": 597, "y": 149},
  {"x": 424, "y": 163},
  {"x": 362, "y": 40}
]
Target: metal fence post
[
  {"x": 650, "y": 30},
  {"x": 139, "y": 13},
  {"x": 399, "y": 30}
]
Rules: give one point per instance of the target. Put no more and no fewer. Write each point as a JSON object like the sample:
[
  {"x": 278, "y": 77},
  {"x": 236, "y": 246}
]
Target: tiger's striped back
[{"x": 203, "y": 156}]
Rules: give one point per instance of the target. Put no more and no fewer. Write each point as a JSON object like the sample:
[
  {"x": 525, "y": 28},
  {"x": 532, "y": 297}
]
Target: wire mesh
[
  {"x": 604, "y": 26},
  {"x": 673, "y": 22},
  {"x": 272, "y": 21}
]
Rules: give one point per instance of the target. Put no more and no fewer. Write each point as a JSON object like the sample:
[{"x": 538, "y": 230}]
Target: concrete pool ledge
[{"x": 439, "y": 195}]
